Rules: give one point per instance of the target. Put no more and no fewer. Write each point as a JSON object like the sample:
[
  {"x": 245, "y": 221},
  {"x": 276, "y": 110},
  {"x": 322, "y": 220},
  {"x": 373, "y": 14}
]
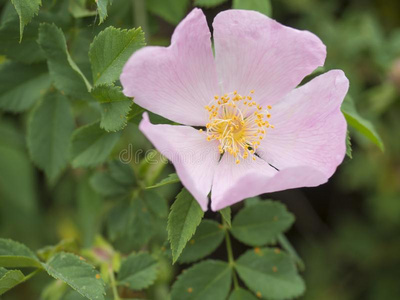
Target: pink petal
[
  {"x": 254, "y": 52},
  {"x": 178, "y": 81},
  {"x": 310, "y": 129},
  {"x": 195, "y": 159},
  {"x": 233, "y": 183}
]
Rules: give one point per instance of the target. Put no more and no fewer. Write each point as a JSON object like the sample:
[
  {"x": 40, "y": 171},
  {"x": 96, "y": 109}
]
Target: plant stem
[
  {"x": 231, "y": 259},
  {"x": 140, "y": 16},
  {"x": 113, "y": 284}
]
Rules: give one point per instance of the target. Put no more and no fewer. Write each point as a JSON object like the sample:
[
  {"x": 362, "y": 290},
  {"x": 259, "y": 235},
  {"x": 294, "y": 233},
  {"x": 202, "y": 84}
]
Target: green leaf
[
  {"x": 110, "y": 50},
  {"x": 227, "y": 215},
  {"x": 73, "y": 295},
  {"x": 66, "y": 75},
  {"x": 138, "y": 271},
  {"x": 89, "y": 211},
  {"x": 114, "y": 106},
  {"x": 261, "y": 223},
  {"x": 242, "y": 294},
  {"x": 49, "y": 131},
  {"x": 67, "y": 245},
  {"x": 185, "y": 216},
  {"x": 22, "y": 85},
  {"x": 18, "y": 189},
  {"x": 349, "y": 150},
  {"x": 172, "y": 178},
  {"x": 262, "y": 6},
  {"x": 10, "y": 279},
  {"x": 78, "y": 9},
  {"x": 156, "y": 203},
  {"x": 28, "y": 51},
  {"x": 287, "y": 246},
  {"x": 135, "y": 113},
  {"x": 78, "y": 274},
  {"x": 130, "y": 224},
  {"x": 106, "y": 186},
  {"x": 102, "y": 9},
  {"x": 270, "y": 273},
  {"x": 26, "y": 10},
  {"x": 172, "y": 11},
  {"x": 208, "y": 280},
  {"x": 252, "y": 201},
  {"x": 207, "y": 238},
  {"x": 362, "y": 125},
  {"x": 209, "y": 3},
  {"x": 3, "y": 271},
  {"x": 55, "y": 290},
  {"x": 118, "y": 180},
  {"x": 91, "y": 145},
  {"x": 17, "y": 255}
]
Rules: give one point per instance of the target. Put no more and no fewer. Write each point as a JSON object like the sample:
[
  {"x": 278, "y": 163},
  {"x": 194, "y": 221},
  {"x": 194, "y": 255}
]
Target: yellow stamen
[{"x": 238, "y": 123}]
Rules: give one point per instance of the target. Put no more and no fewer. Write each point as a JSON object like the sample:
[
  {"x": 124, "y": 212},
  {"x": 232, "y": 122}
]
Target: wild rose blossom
[{"x": 256, "y": 132}]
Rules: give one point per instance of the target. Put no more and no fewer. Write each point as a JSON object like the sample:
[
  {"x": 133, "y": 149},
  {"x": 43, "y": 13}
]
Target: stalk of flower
[{"x": 259, "y": 132}]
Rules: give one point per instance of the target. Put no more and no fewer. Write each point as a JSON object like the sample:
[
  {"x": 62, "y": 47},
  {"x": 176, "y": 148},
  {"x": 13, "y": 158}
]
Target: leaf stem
[
  {"x": 113, "y": 284},
  {"x": 231, "y": 259}
]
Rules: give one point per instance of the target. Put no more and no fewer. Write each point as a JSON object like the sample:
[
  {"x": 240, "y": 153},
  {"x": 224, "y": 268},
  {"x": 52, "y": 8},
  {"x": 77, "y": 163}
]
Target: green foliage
[
  {"x": 261, "y": 223},
  {"x": 26, "y": 51},
  {"x": 114, "y": 106},
  {"x": 171, "y": 10},
  {"x": 90, "y": 145},
  {"x": 156, "y": 203},
  {"x": 49, "y": 131},
  {"x": 102, "y": 8},
  {"x": 78, "y": 274},
  {"x": 17, "y": 255},
  {"x": 116, "y": 181},
  {"x": 68, "y": 245},
  {"x": 208, "y": 237},
  {"x": 263, "y": 6},
  {"x": 208, "y": 280},
  {"x": 65, "y": 74},
  {"x": 362, "y": 125},
  {"x": 110, "y": 50},
  {"x": 227, "y": 215},
  {"x": 270, "y": 273},
  {"x": 348, "y": 145},
  {"x": 9, "y": 279},
  {"x": 129, "y": 203},
  {"x": 138, "y": 271},
  {"x": 185, "y": 216},
  {"x": 172, "y": 178},
  {"x": 241, "y": 294},
  {"x": 134, "y": 220},
  {"x": 208, "y": 3},
  {"x": 78, "y": 9},
  {"x": 89, "y": 210},
  {"x": 26, "y": 10},
  {"x": 287, "y": 246},
  {"x": 21, "y": 86}
]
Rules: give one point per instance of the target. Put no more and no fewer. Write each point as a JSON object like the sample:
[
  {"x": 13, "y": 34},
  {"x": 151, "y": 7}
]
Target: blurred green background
[{"x": 347, "y": 231}]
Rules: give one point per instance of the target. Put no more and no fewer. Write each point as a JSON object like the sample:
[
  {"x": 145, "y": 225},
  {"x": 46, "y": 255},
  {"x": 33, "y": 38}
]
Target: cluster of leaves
[
  {"x": 136, "y": 271},
  {"x": 63, "y": 110},
  {"x": 362, "y": 210},
  {"x": 266, "y": 269}
]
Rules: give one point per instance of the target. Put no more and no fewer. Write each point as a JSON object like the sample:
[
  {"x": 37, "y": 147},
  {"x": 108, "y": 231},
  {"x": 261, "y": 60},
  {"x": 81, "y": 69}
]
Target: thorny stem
[
  {"x": 231, "y": 259},
  {"x": 113, "y": 284}
]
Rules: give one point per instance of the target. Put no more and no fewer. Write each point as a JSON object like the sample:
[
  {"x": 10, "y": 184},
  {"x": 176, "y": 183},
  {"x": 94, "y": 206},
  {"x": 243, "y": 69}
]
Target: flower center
[{"x": 238, "y": 123}]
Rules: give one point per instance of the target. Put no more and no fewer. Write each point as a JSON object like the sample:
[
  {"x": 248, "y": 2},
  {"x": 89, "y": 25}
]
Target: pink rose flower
[{"x": 258, "y": 132}]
